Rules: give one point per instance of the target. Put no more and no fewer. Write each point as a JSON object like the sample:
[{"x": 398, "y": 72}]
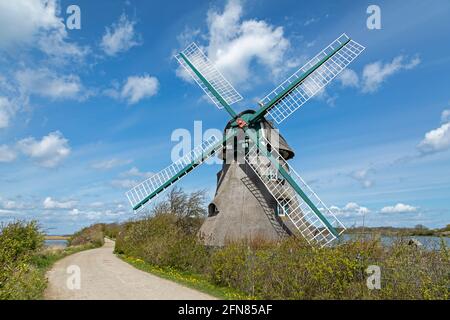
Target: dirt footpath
[{"x": 104, "y": 276}]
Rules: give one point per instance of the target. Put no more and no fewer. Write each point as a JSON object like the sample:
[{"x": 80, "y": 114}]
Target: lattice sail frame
[
  {"x": 316, "y": 81},
  {"x": 204, "y": 66},
  {"x": 307, "y": 222},
  {"x": 198, "y": 155}
]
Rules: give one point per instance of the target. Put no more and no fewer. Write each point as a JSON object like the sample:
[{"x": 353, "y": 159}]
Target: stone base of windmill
[{"x": 242, "y": 209}]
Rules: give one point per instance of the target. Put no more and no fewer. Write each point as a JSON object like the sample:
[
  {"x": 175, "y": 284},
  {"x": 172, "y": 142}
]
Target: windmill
[{"x": 262, "y": 194}]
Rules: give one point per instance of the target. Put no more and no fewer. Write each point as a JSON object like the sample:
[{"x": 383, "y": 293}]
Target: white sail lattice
[
  {"x": 302, "y": 216},
  {"x": 316, "y": 81},
  {"x": 198, "y": 155},
  {"x": 204, "y": 66}
]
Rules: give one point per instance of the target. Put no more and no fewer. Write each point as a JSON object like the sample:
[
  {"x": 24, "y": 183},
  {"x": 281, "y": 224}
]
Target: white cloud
[
  {"x": 130, "y": 178},
  {"x": 399, "y": 208},
  {"x": 7, "y": 154},
  {"x": 311, "y": 44},
  {"x": 92, "y": 213},
  {"x": 135, "y": 172},
  {"x": 349, "y": 78},
  {"x": 137, "y": 88},
  {"x": 7, "y": 111},
  {"x": 311, "y": 21},
  {"x": 124, "y": 183},
  {"x": 324, "y": 96},
  {"x": 22, "y": 20},
  {"x": 188, "y": 36},
  {"x": 362, "y": 177},
  {"x": 351, "y": 209},
  {"x": 34, "y": 31},
  {"x": 436, "y": 140},
  {"x": 45, "y": 83},
  {"x": 74, "y": 212},
  {"x": 111, "y": 163},
  {"x": 376, "y": 73},
  {"x": 36, "y": 23},
  {"x": 50, "y": 204},
  {"x": 234, "y": 45},
  {"x": 14, "y": 205},
  {"x": 120, "y": 37},
  {"x": 445, "y": 116},
  {"x": 49, "y": 151},
  {"x": 97, "y": 204},
  {"x": 55, "y": 45}
]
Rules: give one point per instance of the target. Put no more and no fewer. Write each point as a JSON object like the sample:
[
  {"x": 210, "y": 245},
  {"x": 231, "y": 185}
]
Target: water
[
  {"x": 55, "y": 243},
  {"x": 429, "y": 242}
]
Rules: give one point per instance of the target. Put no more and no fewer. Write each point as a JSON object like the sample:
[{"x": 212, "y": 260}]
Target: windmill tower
[
  {"x": 256, "y": 186},
  {"x": 242, "y": 206}
]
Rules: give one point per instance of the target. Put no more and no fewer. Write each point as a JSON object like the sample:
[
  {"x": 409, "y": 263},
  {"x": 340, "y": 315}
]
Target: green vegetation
[
  {"x": 24, "y": 260},
  {"x": 166, "y": 243},
  {"x": 19, "y": 277},
  {"x": 92, "y": 235}
]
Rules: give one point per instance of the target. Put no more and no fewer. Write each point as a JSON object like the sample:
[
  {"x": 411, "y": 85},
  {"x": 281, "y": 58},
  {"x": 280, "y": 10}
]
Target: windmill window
[
  {"x": 283, "y": 208},
  {"x": 212, "y": 210}
]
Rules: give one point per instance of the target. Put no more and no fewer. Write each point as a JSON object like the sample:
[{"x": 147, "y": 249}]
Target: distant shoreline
[
  {"x": 48, "y": 237},
  {"x": 406, "y": 232}
]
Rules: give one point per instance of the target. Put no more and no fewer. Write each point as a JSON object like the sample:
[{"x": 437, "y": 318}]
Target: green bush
[
  {"x": 290, "y": 269},
  {"x": 161, "y": 240},
  {"x": 19, "y": 277},
  {"x": 169, "y": 236},
  {"x": 24, "y": 260},
  {"x": 111, "y": 230},
  {"x": 92, "y": 235}
]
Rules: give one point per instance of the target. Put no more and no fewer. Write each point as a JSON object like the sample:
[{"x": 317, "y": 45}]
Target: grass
[
  {"x": 44, "y": 260},
  {"x": 191, "y": 280}
]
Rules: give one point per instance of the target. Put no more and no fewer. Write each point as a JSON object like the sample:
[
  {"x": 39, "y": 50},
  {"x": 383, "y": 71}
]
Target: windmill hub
[
  {"x": 243, "y": 119},
  {"x": 261, "y": 127}
]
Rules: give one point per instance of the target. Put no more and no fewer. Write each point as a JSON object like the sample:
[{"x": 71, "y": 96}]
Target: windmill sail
[
  {"x": 141, "y": 194},
  {"x": 311, "y": 78},
  {"x": 310, "y": 216},
  {"x": 200, "y": 68}
]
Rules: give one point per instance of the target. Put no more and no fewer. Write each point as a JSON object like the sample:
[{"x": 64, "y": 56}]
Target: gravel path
[{"x": 106, "y": 277}]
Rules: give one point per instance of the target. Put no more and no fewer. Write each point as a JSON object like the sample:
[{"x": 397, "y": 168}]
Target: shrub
[
  {"x": 19, "y": 278},
  {"x": 161, "y": 240},
  {"x": 111, "y": 230},
  {"x": 288, "y": 269},
  {"x": 291, "y": 269},
  {"x": 92, "y": 235}
]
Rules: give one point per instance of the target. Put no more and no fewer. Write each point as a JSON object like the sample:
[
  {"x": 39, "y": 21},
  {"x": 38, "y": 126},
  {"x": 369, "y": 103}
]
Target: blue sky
[{"x": 86, "y": 113}]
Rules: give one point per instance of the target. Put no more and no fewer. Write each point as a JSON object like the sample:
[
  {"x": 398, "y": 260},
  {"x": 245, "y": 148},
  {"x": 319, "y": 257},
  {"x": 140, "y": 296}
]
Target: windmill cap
[{"x": 269, "y": 132}]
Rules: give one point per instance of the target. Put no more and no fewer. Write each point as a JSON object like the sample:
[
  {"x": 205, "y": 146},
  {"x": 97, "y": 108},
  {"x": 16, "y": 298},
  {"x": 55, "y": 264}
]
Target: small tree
[
  {"x": 188, "y": 208},
  {"x": 182, "y": 204}
]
